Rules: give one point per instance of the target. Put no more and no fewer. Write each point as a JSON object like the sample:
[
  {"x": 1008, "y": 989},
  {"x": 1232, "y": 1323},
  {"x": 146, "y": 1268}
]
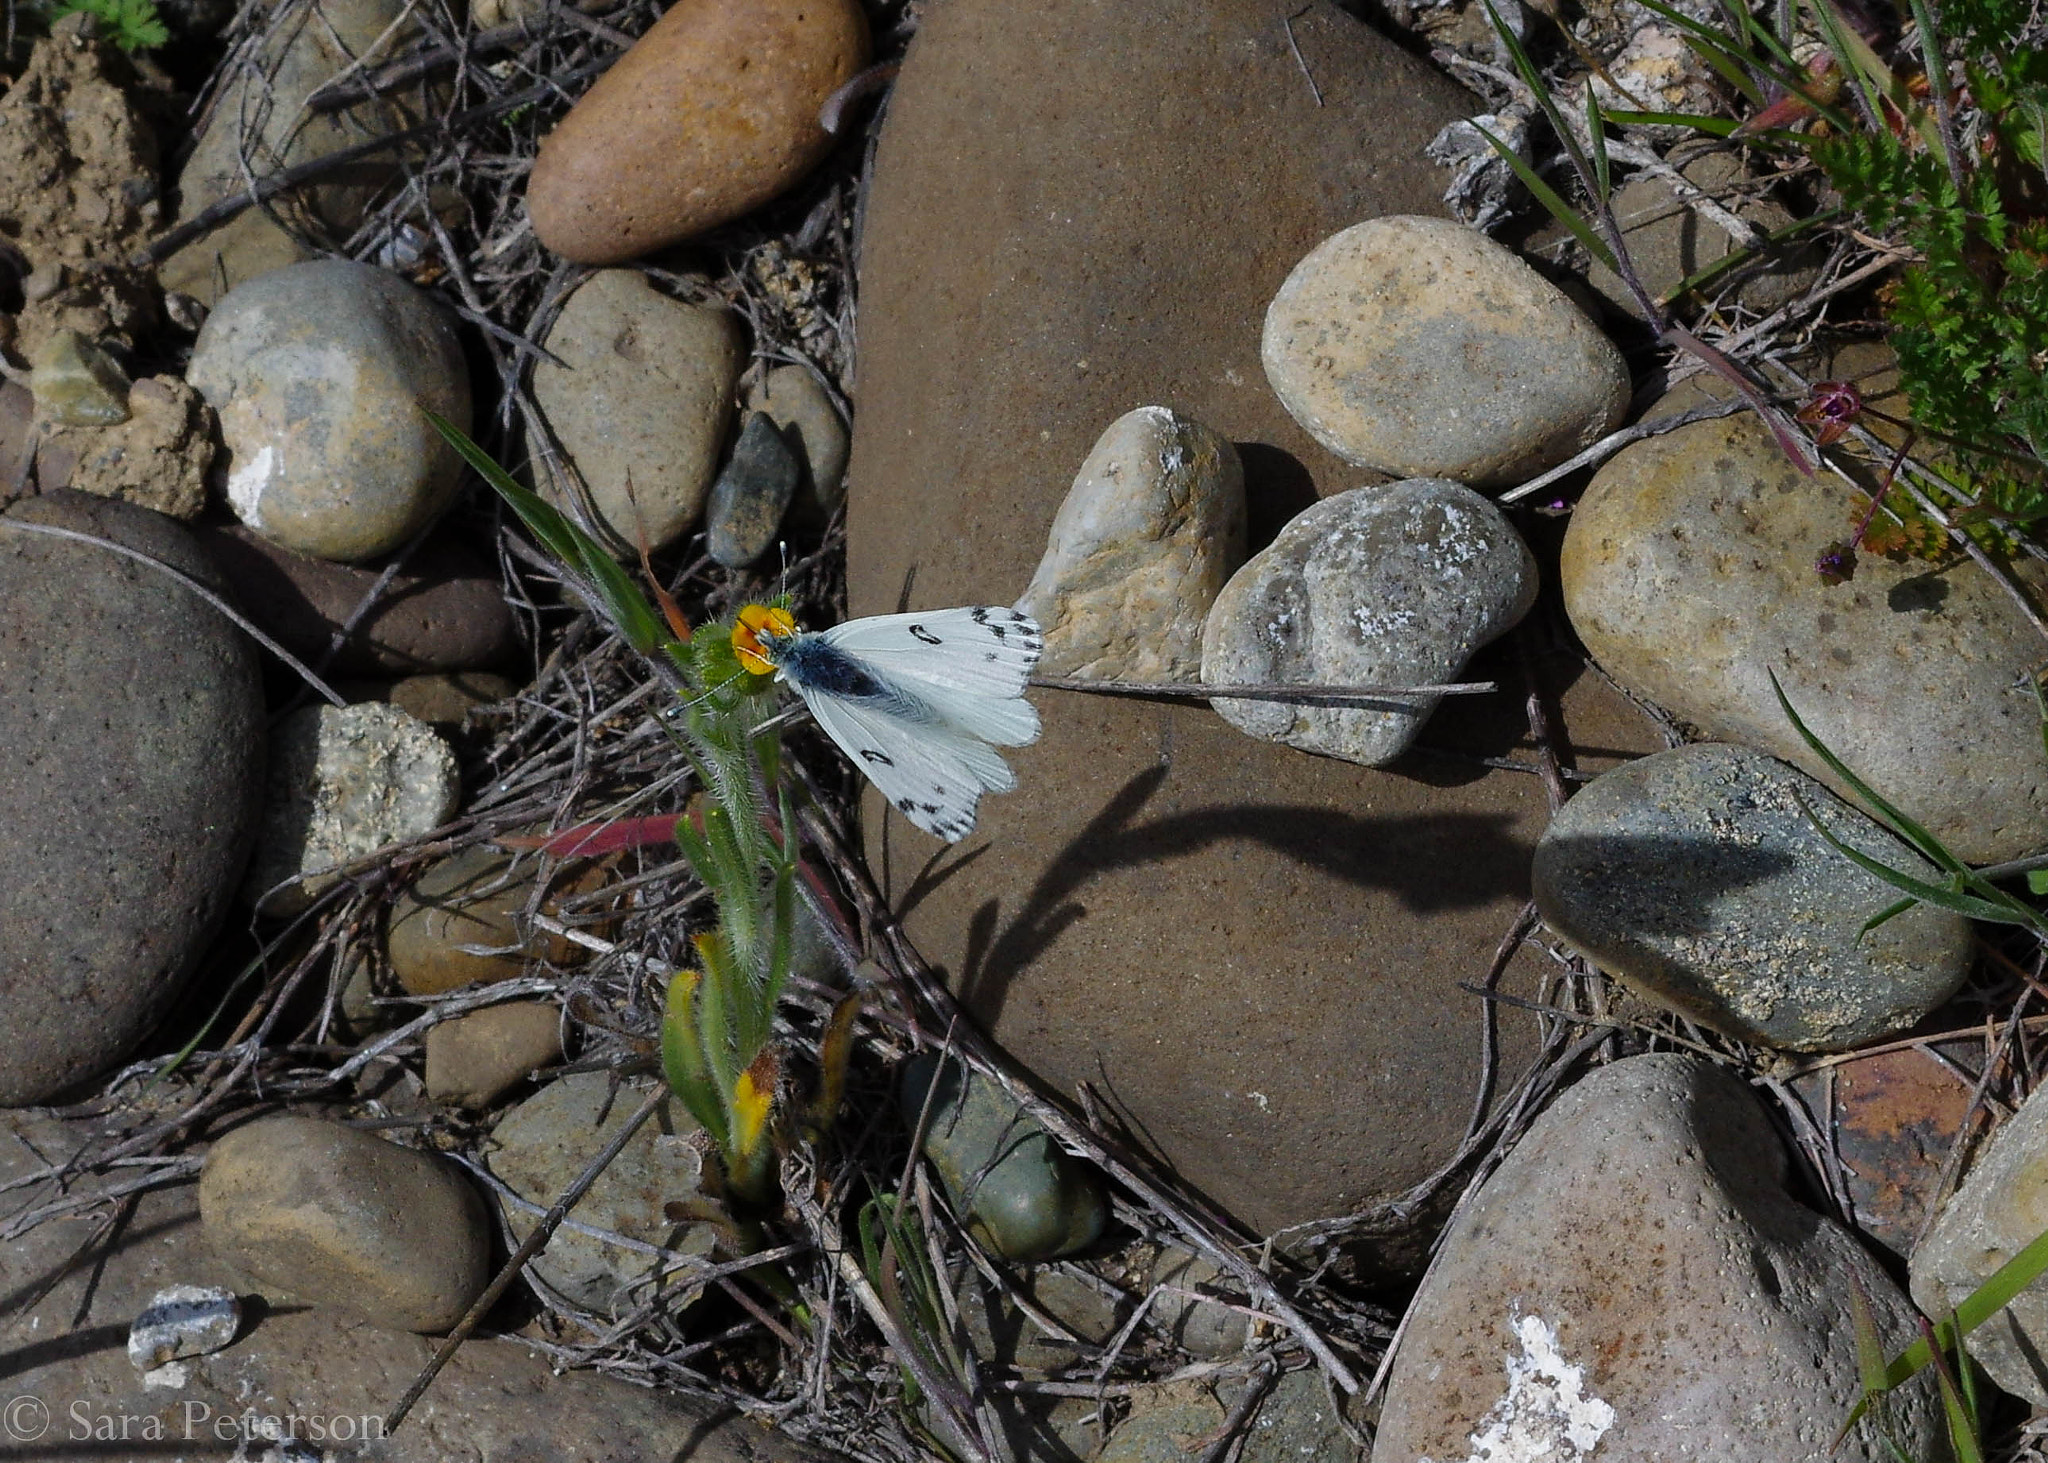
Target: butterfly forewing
[{"x": 932, "y": 775}]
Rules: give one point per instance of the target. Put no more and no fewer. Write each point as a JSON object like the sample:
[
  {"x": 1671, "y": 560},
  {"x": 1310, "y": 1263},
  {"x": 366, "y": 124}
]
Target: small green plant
[{"x": 133, "y": 25}]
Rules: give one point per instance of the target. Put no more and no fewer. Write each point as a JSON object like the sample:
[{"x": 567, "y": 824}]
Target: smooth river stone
[
  {"x": 1253, "y": 952},
  {"x": 1688, "y": 570}
]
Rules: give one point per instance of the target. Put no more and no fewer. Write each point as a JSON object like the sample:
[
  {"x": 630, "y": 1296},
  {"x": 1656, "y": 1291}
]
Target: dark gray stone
[
  {"x": 131, "y": 770},
  {"x": 752, "y": 493}
]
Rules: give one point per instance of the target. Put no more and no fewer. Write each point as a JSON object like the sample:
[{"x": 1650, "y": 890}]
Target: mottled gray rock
[
  {"x": 131, "y": 723},
  {"x": 444, "y": 611},
  {"x": 181, "y": 1321},
  {"x": 542, "y": 1145},
  {"x": 1164, "y": 1426},
  {"x": 1151, "y": 529},
  {"x": 320, "y": 1212},
  {"x": 477, "y": 1058},
  {"x": 260, "y": 112},
  {"x": 643, "y": 395},
  {"x": 1688, "y": 570},
  {"x": 1656, "y": 71},
  {"x": 2000, "y": 1208},
  {"x": 1422, "y": 348},
  {"x": 792, "y": 397},
  {"x": 77, "y": 384},
  {"x": 1633, "y": 1265},
  {"x": 1393, "y": 586},
  {"x": 1696, "y": 876},
  {"x": 751, "y": 494},
  {"x": 1296, "y": 1423},
  {"x": 1203, "y": 1327},
  {"x": 344, "y": 781},
  {"x": 1024, "y": 1195},
  {"x": 318, "y": 372},
  {"x": 494, "y": 1399}
]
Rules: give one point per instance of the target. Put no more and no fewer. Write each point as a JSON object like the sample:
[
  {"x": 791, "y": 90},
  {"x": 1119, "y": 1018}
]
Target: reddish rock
[
  {"x": 445, "y": 611},
  {"x": 1251, "y": 952},
  {"x": 712, "y": 113}
]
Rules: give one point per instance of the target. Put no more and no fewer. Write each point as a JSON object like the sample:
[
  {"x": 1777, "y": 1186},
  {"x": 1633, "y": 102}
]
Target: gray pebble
[
  {"x": 751, "y": 494},
  {"x": 1695, "y": 876},
  {"x": 792, "y": 396},
  {"x": 183, "y": 1320}
]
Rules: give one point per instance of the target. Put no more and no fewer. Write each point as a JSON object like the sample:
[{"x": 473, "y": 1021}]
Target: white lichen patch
[
  {"x": 1546, "y": 1412},
  {"x": 247, "y": 482}
]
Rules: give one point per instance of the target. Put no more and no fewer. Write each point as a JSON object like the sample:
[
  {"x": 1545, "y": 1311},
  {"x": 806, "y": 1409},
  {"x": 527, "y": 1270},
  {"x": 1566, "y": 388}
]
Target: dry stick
[
  {"x": 267, "y": 187},
  {"x": 1613, "y": 442},
  {"x": 1260, "y": 690},
  {"x": 335, "y": 97},
  {"x": 192, "y": 584},
  {"x": 526, "y": 1251},
  {"x": 1256, "y": 1387}
]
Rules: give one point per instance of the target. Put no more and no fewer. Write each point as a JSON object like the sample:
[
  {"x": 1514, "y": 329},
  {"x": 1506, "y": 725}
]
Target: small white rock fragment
[
  {"x": 1151, "y": 529},
  {"x": 1546, "y": 1412},
  {"x": 183, "y": 1320}
]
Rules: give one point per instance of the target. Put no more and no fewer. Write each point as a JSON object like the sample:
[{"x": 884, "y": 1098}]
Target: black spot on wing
[
  {"x": 875, "y": 754},
  {"x": 920, "y": 633}
]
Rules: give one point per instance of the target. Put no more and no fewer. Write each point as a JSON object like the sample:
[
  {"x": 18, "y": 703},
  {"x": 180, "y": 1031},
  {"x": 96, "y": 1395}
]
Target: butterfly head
[{"x": 758, "y": 636}]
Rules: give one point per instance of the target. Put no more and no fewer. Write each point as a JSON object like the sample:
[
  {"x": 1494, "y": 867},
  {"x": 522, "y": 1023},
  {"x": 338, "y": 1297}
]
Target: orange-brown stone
[{"x": 712, "y": 113}]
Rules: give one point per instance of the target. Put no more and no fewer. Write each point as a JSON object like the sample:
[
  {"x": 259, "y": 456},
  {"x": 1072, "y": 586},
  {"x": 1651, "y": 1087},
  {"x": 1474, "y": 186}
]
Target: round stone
[
  {"x": 132, "y": 718},
  {"x": 642, "y": 398},
  {"x": 1688, "y": 570},
  {"x": 1697, "y": 876},
  {"x": 476, "y": 1058},
  {"x": 1420, "y": 347},
  {"x": 318, "y": 372},
  {"x": 339, "y": 1217},
  {"x": 1393, "y": 586},
  {"x": 542, "y": 1145},
  {"x": 345, "y": 781},
  {"x": 478, "y": 897},
  {"x": 1151, "y": 529},
  {"x": 711, "y": 113},
  {"x": 751, "y": 494},
  {"x": 794, "y": 401}
]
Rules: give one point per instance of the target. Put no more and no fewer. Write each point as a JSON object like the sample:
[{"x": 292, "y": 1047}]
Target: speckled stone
[
  {"x": 1633, "y": 1264},
  {"x": 344, "y": 781},
  {"x": 1696, "y": 876},
  {"x": 325, "y": 1213},
  {"x": 643, "y": 395},
  {"x": 131, "y": 723},
  {"x": 1422, "y": 348},
  {"x": 542, "y": 1145},
  {"x": 1393, "y": 586},
  {"x": 318, "y": 372},
  {"x": 1688, "y": 570},
  {"x": 751, "y": 494},
  {"x": 1151, "y": 529},
  {"x": 2000, "y": 1208},
  {"x": 711, "y": 113},
  {"x": 1026, "y": 1197}
]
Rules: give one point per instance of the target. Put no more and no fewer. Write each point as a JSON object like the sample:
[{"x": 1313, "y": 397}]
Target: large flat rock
[{"x": 1252, "y": 952}]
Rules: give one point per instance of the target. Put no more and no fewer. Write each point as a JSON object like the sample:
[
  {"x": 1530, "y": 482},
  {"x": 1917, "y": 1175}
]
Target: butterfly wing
[
  {"x": 932, "y": 774},
  {"x": 970, "y": 665}
]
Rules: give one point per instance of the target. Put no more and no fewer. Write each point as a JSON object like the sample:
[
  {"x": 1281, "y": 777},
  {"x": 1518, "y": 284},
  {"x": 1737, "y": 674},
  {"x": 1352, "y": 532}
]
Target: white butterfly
[{"x": 914, "y": 700}]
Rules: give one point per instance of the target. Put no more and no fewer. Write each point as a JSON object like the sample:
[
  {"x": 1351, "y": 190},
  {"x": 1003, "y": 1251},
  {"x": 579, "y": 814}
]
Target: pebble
[
  {"x": 267, "y": 96},
  {"x": 2000, "y": 1208},
  {"x": 1297, "y": 1422},
  {"x": 1696, "y": 876},
  {"x": 344, "y": 781},
  {"x": 133, "y": 726},
  {"x": 445, "y": 699},
  {"x": 546, "y": 1142},
  {"x": 712, "y": 113},
  {"x": 318, "y": 372},
  {"x": 1633, "y": 1264},
  {"x": 643, "y": 395},
  {"x": 328, "y": 1214},
  {"x": 1022, "y": 1194},
  {"x": 77, "y": 384},
  {"x": 1165, "y": 1425},
  {"x": 158, "y": 458},
  {"x": 793, "y": 399},
  {"x": 1688, "y": 571},
  {"x": 751, "y": 494},
  {"x": 1422, "y": 348},
  {"x": 1204, "y": 1328},
  {"x": 445, "y": 611},
  {"x": 476, "y": 897},
  {"x": 477, "y": 1058},
  {"x": 1146, "y": 537},
  {"x": 1376, "y": 586},
  {"x": 183, "y": 1320}
]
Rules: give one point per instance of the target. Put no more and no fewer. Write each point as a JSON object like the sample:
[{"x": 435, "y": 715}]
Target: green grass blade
[
  {"x": 1979, "y": 1306},
  {"x": 1886, "y": 915},
  {"x": 1697, "y": 121},
  {"x": 1596, "y": 130},
  {"x": 1549, "y": 197},
  {"x": 1934, "y": 894}
]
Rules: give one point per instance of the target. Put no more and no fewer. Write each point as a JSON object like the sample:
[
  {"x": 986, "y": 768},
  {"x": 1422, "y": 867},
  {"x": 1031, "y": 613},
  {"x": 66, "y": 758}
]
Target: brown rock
[
  {"x": 444, "y": 699},
  {"x": 478, "y": 897},
  {"x": 713, "y": 112},
  {"x": 476, "y": 1059},
  {"x": 1252, "y": 951},
  {"x": 444, "y": 611},
  {"x": 157, "y": 459}
]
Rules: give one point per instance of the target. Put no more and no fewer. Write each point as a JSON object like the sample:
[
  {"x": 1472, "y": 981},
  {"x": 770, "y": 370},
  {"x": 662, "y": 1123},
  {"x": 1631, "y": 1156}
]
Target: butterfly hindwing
[{"x": 933, "y": 775}]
